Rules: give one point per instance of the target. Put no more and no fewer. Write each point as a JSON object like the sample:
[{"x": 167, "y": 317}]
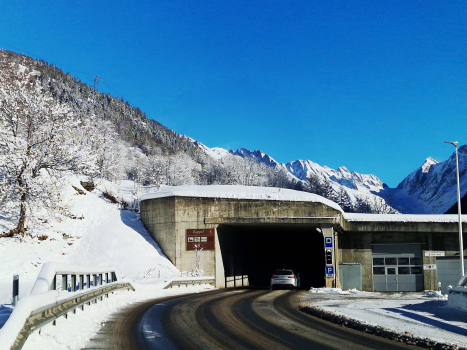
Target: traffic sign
[
  {"x": 329, "y": 271},
  {"x": 328, "y": 242}
]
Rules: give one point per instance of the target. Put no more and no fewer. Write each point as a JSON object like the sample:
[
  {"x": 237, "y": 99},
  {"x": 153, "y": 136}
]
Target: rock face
[{"x": 88, "y": 185}]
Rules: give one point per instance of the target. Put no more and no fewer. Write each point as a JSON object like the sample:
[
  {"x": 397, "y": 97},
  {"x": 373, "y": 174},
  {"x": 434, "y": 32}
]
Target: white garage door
[{"x": 397, "y": 267}]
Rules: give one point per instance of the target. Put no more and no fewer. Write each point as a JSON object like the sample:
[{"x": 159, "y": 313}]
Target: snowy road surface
[{"x": 231, "y": 319}]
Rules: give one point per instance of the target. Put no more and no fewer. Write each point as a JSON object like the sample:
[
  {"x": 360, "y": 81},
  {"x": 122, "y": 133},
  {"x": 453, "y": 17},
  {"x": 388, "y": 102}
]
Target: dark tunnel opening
[{"x": 257, "y": 250}]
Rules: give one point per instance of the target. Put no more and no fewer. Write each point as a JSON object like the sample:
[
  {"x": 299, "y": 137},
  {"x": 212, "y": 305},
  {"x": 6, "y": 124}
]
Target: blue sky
[{"x": 376, "y": 86}]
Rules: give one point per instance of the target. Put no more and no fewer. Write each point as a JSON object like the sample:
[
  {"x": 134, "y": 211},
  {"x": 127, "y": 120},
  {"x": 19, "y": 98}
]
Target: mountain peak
[{"x": 427, "y": 165}]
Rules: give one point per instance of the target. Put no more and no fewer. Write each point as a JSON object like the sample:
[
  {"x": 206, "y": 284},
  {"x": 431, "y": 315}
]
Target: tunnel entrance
[{"x": 257, "y": 250}]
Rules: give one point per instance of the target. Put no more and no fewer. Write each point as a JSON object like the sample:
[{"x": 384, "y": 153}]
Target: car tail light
[
  {"x": 291, "y": 276},
  {"x": 275, "y": 277}
]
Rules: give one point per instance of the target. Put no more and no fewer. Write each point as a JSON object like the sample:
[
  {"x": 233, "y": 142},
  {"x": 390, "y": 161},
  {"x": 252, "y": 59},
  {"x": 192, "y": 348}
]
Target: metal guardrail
[
  {"x": 85, "y": 287},
  {"x": 50, "y": 313},
  {"x": 190, "y": 281}
]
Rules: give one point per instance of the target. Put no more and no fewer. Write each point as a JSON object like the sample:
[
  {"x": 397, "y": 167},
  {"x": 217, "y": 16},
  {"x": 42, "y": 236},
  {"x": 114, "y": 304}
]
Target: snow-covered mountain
[
  {"x": 301, "y": 170},
  {"x": 355, "y": 186},
  {"x": 432, "y": 188}
]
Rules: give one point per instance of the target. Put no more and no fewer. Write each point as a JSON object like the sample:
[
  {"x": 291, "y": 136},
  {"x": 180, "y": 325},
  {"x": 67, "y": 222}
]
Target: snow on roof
[
  {"x": 403, "y": 217},
  {"x": 237, "y": 192}
]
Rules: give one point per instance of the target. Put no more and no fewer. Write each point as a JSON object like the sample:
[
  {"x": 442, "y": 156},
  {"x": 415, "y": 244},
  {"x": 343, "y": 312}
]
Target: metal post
[
  {"x": 73, "y": 283},
  {"x": 14, "y": 300},
  {"x": 54, "y": 283},
  {"x": 64, "y": 282},
  {"x": 461, "y": 243}
]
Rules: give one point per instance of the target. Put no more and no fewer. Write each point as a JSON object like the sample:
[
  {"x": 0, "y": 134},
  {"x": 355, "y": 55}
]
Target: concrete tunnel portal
[
  {"x": 257, "y": 250},
  {"x": 245, "y": 233}
]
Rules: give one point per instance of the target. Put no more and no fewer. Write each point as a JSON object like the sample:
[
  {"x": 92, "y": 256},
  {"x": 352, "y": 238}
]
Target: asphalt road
[{"x": 229, "y": 319}]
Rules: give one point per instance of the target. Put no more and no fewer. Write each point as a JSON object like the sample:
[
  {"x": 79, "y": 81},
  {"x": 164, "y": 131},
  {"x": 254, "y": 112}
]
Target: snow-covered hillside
[{"x": 94, "y": 233}]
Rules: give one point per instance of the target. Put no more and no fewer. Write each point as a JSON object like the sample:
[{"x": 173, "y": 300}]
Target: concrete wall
[{"x": 356, "y": 247}]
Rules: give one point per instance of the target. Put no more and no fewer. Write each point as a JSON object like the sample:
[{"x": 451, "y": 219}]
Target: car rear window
[{"x": 283, "y": 272}]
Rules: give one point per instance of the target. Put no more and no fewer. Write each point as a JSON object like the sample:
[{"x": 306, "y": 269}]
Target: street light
[{"x": 461, "y": 244}]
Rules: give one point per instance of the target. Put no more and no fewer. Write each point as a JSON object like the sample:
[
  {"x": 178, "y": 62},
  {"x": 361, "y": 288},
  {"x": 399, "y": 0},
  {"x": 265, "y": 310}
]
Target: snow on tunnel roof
[
  {"x": 237, "y": 192},
  {"x": 357, "y": 217}
]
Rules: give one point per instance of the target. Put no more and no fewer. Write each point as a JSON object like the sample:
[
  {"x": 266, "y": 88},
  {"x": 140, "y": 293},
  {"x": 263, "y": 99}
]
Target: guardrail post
[
  {"x": 15, "y": 290},
  {"x": 64, "y": 282},
  {"x": 73, "y": 283}
]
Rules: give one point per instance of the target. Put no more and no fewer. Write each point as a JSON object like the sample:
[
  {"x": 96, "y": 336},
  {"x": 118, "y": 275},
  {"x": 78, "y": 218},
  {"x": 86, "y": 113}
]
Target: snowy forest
[{"x": 52, "y": 124}]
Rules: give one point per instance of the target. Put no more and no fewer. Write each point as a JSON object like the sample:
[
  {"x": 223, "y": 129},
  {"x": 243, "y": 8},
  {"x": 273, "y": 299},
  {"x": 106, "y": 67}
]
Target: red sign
[{"x": 200, "y": 239}]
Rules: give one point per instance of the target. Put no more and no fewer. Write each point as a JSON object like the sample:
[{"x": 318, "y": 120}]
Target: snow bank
[
  {"x": 238, "y": 192},
  {"x": 22, "y": 311},
  {"x": 423, "y": 316},
  {"x": 458, "y": 294}
]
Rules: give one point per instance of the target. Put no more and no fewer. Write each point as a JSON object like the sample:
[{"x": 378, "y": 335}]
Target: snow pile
[
  {"x": 458, "y": 300},
  {"x": 331, "y": 291},
  {"x": 239, "y": 192},
  {"x": 436, "y": 294}
]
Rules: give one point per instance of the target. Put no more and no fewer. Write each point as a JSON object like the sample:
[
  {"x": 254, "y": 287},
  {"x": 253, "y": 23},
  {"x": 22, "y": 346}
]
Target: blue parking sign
[
  {"x": 328, "y": 242},
  {"x": 329, "y": 270}
]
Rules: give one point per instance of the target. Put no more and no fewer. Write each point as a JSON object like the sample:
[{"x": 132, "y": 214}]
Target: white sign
[
  {"x": 429, "y": 267},
  {"x": 434, "y": 253}
]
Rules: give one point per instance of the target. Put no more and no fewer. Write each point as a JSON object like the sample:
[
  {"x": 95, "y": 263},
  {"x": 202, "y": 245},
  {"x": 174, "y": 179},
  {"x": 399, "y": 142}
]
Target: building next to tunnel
[{"x": 245, "y": 233}]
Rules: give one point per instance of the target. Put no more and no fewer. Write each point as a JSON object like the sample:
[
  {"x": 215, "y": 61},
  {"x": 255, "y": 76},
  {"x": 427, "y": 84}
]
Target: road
[{"x": 230, "y": 319}]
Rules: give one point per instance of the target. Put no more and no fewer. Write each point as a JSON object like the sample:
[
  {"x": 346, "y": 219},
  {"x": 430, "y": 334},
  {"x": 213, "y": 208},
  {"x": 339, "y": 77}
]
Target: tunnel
[{"x": 258, "y": 250}]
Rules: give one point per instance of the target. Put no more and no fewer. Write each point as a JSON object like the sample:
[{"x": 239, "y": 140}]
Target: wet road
[{"x": 230, "y": 319}]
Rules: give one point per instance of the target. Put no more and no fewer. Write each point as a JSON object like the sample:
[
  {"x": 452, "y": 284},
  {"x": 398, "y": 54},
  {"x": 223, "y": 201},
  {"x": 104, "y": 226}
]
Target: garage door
[
  {"x": 397, "y": 267},
  {"x": 448, "y": 271}
]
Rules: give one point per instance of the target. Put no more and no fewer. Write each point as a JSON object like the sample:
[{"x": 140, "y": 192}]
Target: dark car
[{"x": 285, "y": 278}]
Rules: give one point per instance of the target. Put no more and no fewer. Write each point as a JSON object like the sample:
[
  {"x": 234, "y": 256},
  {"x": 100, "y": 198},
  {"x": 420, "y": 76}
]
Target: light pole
[{"x": 461, "y": 244}]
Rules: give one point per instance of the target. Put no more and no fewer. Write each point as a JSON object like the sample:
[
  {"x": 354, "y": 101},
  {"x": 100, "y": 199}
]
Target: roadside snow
[
  {"x": 64, "y": 334},
  {"x": 424, "y": 315}
]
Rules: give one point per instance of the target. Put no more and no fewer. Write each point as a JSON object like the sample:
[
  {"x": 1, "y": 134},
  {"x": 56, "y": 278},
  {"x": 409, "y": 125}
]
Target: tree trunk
[{"x": 22, "y": 217}]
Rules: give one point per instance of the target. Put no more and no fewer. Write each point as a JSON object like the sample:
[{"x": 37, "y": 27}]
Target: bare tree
[{"x": 36, "y": 146}]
